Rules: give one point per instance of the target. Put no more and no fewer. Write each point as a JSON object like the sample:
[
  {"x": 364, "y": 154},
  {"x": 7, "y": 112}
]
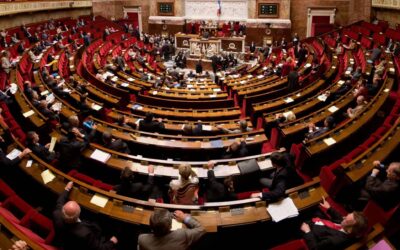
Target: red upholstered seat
[
  {"x": 292, "y": 245},
  {"x": 376, "y": 214},
  {"x": 102, "y": 185},
  {"x": 38, "y": 226},
  {"x": 245, "y": 195},
  {"x": 5, "y": 191},
  {"x": 17, "y": 208},
  {"x": 81, "y": 177}
]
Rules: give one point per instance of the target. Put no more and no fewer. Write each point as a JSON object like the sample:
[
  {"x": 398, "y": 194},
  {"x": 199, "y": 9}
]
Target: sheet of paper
[
  {"x": 329, "y": 141},
  {"x": 56, "y": 106},
  {"x": 265, "y": 164},
  {"x": 44, "y": 92},
  {"x": 52, "y": 143},
  {"x": 100, "y": 156},
  {"x": 225, "y": 170},
  {"x": 207, "y": 127},
  {"x": 333, "y": 109},
  {"x": 124, "y": 84},
  {"x": 341, "y": 82},
  {"x": 96, "y": 106},
  {"x": 47, "y": 176},
  {"x": 176, "y": 225},
  {"x": 282, "y": 210},
  {"x": 212, "y": 96},
  {"x": 29, "y": 163},
  {"x": 99, "y": 200},
  {"x": 288, "y": 100},
  {"x": 130, "y": 79},
  {"x": 50, "y": 98},
  {"x": 28, "y": 113},
  {"x": 13, "y": 154},
  {"x": 322, "y": 97}
]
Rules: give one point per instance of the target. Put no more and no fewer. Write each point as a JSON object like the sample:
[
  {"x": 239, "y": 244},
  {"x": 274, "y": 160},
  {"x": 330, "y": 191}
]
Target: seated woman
[{"x": 184, "y": 190}]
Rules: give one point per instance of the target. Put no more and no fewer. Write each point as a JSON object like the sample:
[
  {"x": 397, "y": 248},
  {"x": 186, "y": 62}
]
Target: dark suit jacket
[
  {"x": 199, "y": 68},
  {"x": 293, "y": 79},
  {"x": 77, "y": 236},
  {"x": 325, "y": 238},
  {"x": 118, "y": 145},
  {"x": 385, "y": 192},
  {"x": 241, "y": 152},
  {"x": 216, "y": 191},
  {"x": 70, "y": 153},
  {"x": 42, "y": 152},
  {"x": 153, "y": 126},
  {"x": 136, "y": 190},
  {"x": 278, "y": 186}
]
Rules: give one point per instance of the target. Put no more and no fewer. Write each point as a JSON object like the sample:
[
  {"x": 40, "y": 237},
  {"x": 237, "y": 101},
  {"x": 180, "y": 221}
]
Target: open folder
[{"x": 282, "y": 210}]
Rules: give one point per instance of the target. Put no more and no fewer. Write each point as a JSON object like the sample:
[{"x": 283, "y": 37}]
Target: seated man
[
  {"x": 217, "y": 191},
  {"x": 283, "y": 178},
  {"x": 236, "y": 150},
  {"x": 32, "y": 142},
  {"x": 72, "y": 232},
  {"x": 131, "y": 188},
  {"x": 313, "y": 131},
  {"x": 383, "y": 185},
  {"x": 354, "y": 112},
  {"x": 149, "y": 125},
  {"x": 163, "y": 238},
  {"x": 336, "y": 233},
  {"x": 114, "y": 144},
  {"x": 4, "y": 161},
  {"x": 242, "y": 128}
]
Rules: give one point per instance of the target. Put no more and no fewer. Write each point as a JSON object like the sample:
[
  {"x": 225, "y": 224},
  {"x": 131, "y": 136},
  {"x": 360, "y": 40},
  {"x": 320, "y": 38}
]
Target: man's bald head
[{"x": 71, "y": 212}]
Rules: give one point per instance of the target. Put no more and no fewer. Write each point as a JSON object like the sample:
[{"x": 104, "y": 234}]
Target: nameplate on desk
[
  {"x": 101, "y": 156},
  {"x": 282, "y": 210},
  {"x": 99, "y": 200},
  {"x": 329, "y": 141},
  {"x": 47, "y": 176},
  {"x": 333, "y": 109},
  {"x": 28, "y": 113},
  {"x": 13, "y": 154},
  {"x": 237, "y": 211}
]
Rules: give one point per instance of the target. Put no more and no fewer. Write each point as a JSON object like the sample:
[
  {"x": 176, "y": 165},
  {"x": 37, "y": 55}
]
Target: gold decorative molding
[
  {"x": 20, "y": 7},
  {"x": 389, "y": 4}
]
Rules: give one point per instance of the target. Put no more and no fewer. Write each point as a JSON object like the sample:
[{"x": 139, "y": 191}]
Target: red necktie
[{"x": 327, "y": 223}]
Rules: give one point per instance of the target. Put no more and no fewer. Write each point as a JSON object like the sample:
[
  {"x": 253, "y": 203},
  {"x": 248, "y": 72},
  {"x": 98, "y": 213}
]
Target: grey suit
[{"x": 180, "y": 239}]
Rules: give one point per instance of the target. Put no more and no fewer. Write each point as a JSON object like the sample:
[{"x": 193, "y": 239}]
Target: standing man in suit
[
  {"x": 74, "y": 234},
  {"x": 252, "y": 47},
  {"x": 336, "y": 233},
  {"x": 383, "y": 185},
  {"x": 199, "y": 68},
  {"x": 163, "y": 238},
  {"x": 293, "y": 79}
]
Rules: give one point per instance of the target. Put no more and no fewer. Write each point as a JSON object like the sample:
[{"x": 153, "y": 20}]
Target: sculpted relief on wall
[{"x": 207, "y": 9}]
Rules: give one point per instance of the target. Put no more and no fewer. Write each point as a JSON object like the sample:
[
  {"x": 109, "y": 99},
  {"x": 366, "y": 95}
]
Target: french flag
[{"x": 219, "y": 8}]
